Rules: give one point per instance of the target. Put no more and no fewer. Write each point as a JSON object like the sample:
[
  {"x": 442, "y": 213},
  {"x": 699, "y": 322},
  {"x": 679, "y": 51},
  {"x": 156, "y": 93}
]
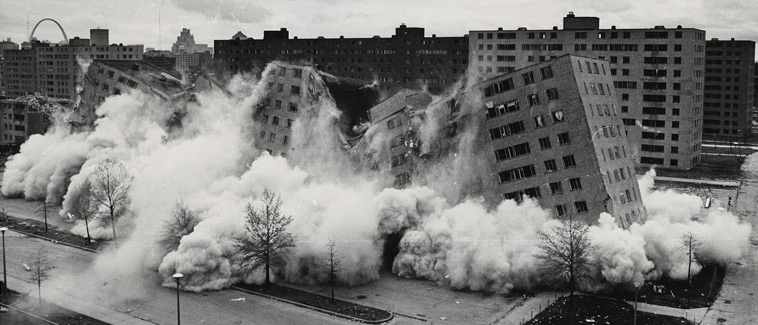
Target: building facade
[
  {"x": 408, "y": 59},
  {"x": 658, "y": 74},
  {"x": 54, "y": 70},
  {"x": 729, "y": 92},
  {"x": 25, "y": 116},
  {"x": 554, "y": 132},
  {"x": 546, "y": 131},
  {"x": 19, "y": 72}
]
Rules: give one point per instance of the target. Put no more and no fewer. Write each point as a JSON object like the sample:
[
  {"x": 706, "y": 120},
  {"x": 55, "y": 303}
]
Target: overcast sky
[{"x": 136, "y": 21}]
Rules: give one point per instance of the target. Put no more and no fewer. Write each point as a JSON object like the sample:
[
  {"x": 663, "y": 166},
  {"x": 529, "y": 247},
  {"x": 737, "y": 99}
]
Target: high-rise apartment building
[
  {"x": 19, "y": 72},
  {"x": 552, "y": 131},
  {"x": 294, "y": 88},
  {"x": 658, "y": 74},
  {"x": 408, "y": 59},
  {"x": 54, "y": 70},
  {"x": 729, "y": 93}
]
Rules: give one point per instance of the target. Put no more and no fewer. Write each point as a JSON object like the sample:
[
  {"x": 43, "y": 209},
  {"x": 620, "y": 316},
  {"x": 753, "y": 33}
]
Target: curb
[
  {"x": 53, "y": 241},
  {"x": 333, "y": 313}
]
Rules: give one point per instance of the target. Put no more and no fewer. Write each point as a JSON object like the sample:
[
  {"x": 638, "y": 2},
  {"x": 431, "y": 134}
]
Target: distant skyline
[{"x": 136, "y": 21}]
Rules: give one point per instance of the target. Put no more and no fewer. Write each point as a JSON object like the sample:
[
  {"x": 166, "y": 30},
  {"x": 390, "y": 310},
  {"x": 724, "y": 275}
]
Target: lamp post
[
  {"x": 5, "y": 273},
  {"x": 637, "y": 287},
  {"x": 178, "y": 276}
]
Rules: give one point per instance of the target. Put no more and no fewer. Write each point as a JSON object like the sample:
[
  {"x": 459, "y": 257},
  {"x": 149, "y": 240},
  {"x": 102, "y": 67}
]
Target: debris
[
  {"x": 443, "y": 318},
  {"x": 26, "y": 267},
  {"x": 238, "y": 299}
]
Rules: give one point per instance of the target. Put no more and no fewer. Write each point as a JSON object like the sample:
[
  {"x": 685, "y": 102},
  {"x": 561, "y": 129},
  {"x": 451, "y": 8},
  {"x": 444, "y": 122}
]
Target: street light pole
[
  {"x": 637, "y": 286},
  {"x": 178, "y": 276},
  {"x": 5, "y": 273}
]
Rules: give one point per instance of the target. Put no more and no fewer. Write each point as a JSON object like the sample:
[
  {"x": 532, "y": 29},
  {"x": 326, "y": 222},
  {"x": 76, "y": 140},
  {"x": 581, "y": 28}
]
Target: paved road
[
  {"x": 70, "y": 289},
  {"x": 738, "y": 303}
]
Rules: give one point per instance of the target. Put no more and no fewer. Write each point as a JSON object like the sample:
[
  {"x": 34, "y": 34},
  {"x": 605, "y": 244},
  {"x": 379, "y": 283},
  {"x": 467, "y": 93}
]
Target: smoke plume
[{"x": 448, "y": 234}]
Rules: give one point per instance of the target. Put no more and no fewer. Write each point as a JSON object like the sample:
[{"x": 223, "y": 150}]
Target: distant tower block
[{"x": 98, "y": 37}]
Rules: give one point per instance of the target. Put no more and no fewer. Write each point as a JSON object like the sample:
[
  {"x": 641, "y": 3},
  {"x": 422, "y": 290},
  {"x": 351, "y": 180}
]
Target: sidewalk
[
  {"x": 61, "y": 298},
  {"x": 697, "y": 181},
  {"x": 530, "y": 308},
  {"x": 695, "y": 313}
]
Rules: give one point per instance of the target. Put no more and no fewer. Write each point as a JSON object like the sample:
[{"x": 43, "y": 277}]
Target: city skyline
[{"x": 136, "y": 22}]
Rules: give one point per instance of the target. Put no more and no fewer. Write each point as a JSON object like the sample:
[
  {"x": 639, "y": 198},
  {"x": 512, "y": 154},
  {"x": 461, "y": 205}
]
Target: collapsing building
[{"x": 551, "y": 131}]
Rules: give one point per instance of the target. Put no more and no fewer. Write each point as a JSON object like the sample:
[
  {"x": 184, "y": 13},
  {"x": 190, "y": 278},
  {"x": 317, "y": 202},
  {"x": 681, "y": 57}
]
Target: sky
[{"x": 137, "y": 21}]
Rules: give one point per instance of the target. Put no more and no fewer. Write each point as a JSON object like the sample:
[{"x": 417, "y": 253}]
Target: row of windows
[
  {"x": 556, "y": 188},
  {"x": 614, "y": 153},
  {"x": 276, "y": 120},
  {"x": 579, "y": 207},
  {"x": 272, "y": 137},
  {"x": 580, "y": 35},
  {"x": 532, "y": 192}
]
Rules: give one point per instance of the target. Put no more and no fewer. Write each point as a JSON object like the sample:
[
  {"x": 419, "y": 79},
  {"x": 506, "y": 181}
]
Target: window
[
  {"x": 398, "y": 160},
  {"x": 293, "y": 107},
  {"x": 280, "y": 88},
  {"x": 507, "y": 130},
  {"x": 575, "y": 184},
  {"x": 402, "y": 179},
  {"x": 297, "y": 73},
  {"x": 282, "y": 72},
  {"x": 545, "y": 143},
  {"x": 581, "y": 207},
  {"x": 569, "y": 161},
  {"x": 517, "y": 173},
  {"x": 272, "y": 137},
  {"x": 275, "y": 121},
  {"x": 550, "y": 165},
  {"x": 289, "y": 123},
  {"x": 539, "y": 121},
  {"x": 533, "y": 99},
  {"x": 395, "y": 122},
  {"x": 528, "y": 78},
  {"x": 563, "y": 139},
  {"x": 547, "y": 72},
  {"x": 499, "y": 87},
  {"x": 278, "y": 104},
  {"x": 533, "y": 192},
  {"x": 561, "y": 209},
  {"x": 295, "y": 90},
  {"x": 502, "y": 109},
  {"x": 512, "y": 152},
  {"x": 552, "y": 94},
  {"x": 556, "y": 188}
]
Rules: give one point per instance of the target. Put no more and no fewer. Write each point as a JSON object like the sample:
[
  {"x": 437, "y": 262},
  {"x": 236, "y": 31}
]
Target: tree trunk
[
  {"x": 268, "y": 279},
  {"x": 113, "y": 226},
  {"x": 86, "y": 225},
  {"x": 44, "y": 207}
]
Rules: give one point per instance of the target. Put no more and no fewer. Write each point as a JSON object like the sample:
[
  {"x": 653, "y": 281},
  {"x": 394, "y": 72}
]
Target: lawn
[
  {"x": 44, "y": 310},
  {"x": 702, "y": 292},
  {"x": 595, "y": 310},
  {"x": 36, "y": 227},
  {"x": 319, "y": 301}
]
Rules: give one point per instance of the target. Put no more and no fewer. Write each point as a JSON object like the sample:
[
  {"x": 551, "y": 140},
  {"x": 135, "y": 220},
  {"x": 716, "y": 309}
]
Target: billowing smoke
[{"x": 448, "y": 234}]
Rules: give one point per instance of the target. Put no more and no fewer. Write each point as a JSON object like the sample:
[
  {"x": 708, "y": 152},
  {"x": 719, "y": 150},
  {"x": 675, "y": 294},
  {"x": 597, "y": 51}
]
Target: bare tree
[
  {"x": 181, "y": 223},
  {"x": 267, "y": 238},
  {"x": 564, "y": 255},
  {"x": 40, "y": 271},
  {"x": 43, "y": 209},
  {"x": 83, "y": 206},
  {"x": 110, "y": 189},
  {"x": 332, "y": 264},
  {"x": 688, "y": 247}
]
